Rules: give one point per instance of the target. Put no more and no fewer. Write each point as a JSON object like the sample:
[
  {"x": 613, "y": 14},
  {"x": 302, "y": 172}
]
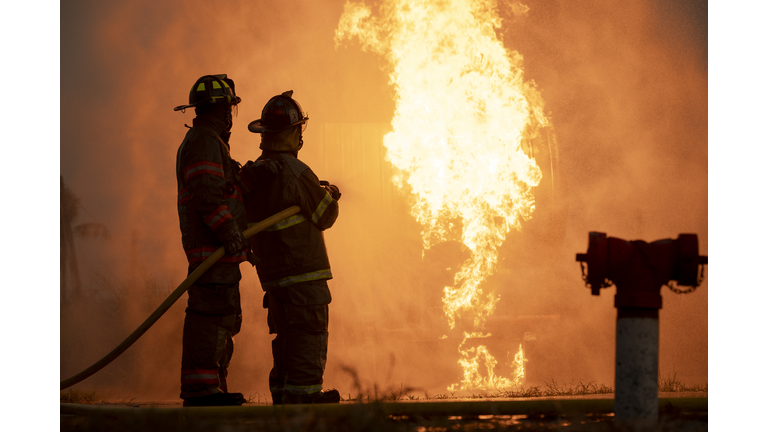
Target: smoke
[{"x": 627, "y": 89}]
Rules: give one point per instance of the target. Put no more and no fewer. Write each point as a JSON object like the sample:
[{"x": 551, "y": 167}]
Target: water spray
[{"x": 152, "y": 319}]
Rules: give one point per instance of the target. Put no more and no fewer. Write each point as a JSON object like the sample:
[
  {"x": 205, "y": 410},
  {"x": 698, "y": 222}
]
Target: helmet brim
[
  {"x": 256, "y": 126},
  {"x": 182, "y": 107},
  {"x": 194, "y": 105}
]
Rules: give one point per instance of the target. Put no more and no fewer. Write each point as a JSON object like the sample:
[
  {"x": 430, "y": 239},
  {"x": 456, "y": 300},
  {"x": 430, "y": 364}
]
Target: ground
[{"x": 678, "y": 412}]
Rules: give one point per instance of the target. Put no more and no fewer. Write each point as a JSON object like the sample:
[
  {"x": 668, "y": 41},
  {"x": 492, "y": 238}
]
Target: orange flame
[
  {"x": 519, "y": 365},
  {"x": 462, "y": 111}
]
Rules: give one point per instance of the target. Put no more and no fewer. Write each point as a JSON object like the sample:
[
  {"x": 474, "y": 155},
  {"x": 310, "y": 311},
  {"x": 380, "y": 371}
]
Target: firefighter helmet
[
  {"x": 280, "y": 113},
  {"x": 211, "y": 89}
]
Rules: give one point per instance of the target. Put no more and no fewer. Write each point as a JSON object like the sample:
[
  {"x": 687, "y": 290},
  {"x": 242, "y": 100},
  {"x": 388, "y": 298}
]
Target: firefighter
[
  {"x": 211, "y": 214},
  {"x": 290, "y": 256}
]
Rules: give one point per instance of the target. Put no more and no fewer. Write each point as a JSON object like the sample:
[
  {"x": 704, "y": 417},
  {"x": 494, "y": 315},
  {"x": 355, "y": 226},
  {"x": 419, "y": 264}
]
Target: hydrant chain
[{"x": 672, "y": 285}]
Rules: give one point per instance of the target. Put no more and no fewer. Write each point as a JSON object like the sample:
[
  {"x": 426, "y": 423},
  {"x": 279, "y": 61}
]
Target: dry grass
[
  {"x": 81, "y": 397},
  {"x": 671, "y": 384},
  {"x": 551, "y": 388},
  {"x": 90, "y": 398}
]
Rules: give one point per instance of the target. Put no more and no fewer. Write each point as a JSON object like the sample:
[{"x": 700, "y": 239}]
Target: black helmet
[
  {"x": 211, "y": 89},
  {"x": 280, "y": 113}
]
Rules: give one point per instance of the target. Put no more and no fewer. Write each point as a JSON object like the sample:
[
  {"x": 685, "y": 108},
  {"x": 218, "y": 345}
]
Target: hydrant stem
[{"x": 636, "y": 398}]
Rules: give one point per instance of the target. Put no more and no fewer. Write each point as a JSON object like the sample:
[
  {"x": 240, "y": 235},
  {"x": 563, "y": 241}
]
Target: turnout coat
[
  {"x": 292, "y": 250},
  {"x": 210, "y": 196}
]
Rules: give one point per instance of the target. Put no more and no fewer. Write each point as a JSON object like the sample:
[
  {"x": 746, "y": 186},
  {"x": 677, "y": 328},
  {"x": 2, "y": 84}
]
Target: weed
[
  {"x": 670, "y": 383},
  {"x": 251, "y": 397},
  {"x": 80, "y": 397},
  {"x": 400, "y": 395},
  {"x": 532, "y": 391},
  {"x": 551, "y": 388},
  {"x": 121, "y": 401},
  {"x": 388, "y": 394}
]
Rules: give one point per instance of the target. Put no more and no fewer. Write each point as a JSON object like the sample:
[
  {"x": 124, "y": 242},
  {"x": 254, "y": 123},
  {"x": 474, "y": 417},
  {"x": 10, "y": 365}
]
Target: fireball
[{"x": 462, "y": 111}]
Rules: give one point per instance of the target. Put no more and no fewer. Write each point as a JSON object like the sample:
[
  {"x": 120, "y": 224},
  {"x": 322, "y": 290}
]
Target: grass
[
  {"x": 81, "y": 397},
  {"x": 668, "y": 384},
  {"x": 255, "y": 398},
  {"x": 551, "y": 388},
  {"x": 671, "y": 384},
  {"x": 74, "y": 395}
]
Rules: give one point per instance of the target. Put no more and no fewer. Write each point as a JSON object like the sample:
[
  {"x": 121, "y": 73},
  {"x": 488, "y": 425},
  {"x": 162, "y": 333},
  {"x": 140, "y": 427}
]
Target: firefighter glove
[
  {"x": 333, "y": 190},
  {"x": 234, "y": 242}
]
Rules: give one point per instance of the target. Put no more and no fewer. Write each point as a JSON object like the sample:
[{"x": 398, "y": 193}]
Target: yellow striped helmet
[{"x": 211, "y": 89}]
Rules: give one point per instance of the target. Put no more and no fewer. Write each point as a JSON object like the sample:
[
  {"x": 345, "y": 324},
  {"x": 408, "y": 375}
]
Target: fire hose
[{"x": 152, "y": 319}]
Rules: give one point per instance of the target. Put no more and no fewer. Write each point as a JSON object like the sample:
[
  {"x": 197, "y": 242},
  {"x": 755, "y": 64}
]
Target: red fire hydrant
[{"x": 639, "y": 270}]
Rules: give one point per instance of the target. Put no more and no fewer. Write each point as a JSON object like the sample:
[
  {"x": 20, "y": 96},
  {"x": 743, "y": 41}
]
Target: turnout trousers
[
  {"x": 213, "y": 318},
  {"x": 298, "y": 315}
]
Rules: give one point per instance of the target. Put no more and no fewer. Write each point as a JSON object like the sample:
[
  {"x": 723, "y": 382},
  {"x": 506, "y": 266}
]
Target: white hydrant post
[{"x": 636, "y": 399}]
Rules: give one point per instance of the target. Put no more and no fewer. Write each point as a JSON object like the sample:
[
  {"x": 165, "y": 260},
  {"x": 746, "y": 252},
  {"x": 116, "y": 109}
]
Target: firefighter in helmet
[
  {"x": 290, "y": 256},
  {"x": 211, "y": 215}
]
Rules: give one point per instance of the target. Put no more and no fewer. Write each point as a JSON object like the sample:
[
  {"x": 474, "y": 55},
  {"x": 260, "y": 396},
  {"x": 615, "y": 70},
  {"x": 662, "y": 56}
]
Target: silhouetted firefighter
[
  {"x": 211, "y": 214},
  {"x": 291, "y": 258}
]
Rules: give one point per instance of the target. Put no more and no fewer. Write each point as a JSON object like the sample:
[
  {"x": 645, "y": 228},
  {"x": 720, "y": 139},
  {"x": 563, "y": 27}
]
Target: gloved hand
[
  {"x": 234, "y": 242},
  {"x": 253, "y": 259},
  {"x": 260, "y": 171},
  {"x": 333, "y": 190}
]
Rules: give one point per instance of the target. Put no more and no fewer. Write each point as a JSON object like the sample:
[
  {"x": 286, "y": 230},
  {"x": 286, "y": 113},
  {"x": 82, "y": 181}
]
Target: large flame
[{"x": 462, "y": 111}]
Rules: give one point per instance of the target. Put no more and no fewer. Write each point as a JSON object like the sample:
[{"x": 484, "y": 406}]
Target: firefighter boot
[{"x": 323, "y": 396}]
